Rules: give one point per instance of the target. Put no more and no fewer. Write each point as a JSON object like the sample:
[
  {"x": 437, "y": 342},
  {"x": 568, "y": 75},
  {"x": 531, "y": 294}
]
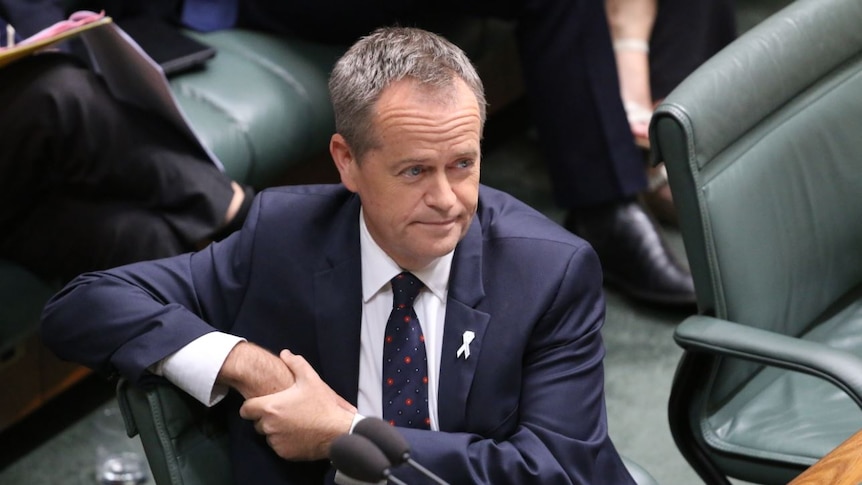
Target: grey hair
[{"x": 388, "y": 55}]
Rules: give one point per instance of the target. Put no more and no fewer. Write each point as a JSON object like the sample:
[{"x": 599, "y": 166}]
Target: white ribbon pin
[{"x": 468, "y": 337}]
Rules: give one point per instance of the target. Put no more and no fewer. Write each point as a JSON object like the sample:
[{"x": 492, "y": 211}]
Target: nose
[{"x": 440, "y": 193}]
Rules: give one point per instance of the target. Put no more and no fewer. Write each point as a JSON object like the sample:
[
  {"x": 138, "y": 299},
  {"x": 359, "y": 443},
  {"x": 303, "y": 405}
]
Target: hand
[{"x": 301, "y": 421}]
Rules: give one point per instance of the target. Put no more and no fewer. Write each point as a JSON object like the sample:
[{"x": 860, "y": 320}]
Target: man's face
[{"x": 420, "y": 186}]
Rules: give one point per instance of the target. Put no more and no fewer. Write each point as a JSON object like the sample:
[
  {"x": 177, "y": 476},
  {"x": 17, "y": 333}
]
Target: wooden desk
[{"x": 842, "y": 466}]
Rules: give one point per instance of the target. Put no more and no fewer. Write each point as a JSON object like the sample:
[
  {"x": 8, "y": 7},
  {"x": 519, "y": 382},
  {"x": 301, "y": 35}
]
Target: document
[
  {"x": 77, "y": 23},
  {"x": 130, "y": 74}
]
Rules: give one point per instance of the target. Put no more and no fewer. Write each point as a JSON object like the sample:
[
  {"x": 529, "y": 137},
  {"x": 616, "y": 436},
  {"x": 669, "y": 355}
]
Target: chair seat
[{"x": 798, "y": 418}]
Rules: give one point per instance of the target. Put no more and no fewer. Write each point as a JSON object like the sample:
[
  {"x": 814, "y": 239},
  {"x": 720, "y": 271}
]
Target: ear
[{"x": 344, "y": 161}]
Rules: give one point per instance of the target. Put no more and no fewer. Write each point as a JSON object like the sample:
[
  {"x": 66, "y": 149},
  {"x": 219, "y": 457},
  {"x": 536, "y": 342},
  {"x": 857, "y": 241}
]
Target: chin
[
  {"x": 429, "y": 253},
  {"x": 444, "y": 249}
]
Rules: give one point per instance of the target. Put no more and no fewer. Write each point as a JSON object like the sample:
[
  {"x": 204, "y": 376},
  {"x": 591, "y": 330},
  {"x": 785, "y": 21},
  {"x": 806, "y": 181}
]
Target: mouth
[{"x": 444, "y": 223}]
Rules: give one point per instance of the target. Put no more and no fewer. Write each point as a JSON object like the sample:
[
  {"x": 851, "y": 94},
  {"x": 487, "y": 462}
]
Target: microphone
[
  {"x": 392, "y": 444},
  {"x": 358, "y": 458}
]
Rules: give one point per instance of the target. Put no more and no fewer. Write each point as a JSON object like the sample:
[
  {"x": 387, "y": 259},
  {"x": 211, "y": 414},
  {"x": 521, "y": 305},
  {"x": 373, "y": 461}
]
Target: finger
[
  {"x": 298, "y": 365},
  {"x": 251, "y": 409},
  {"x": 259, "y": 428}
]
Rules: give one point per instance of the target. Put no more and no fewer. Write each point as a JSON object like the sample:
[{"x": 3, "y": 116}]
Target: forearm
[
  {"x": 631, "y": 19},
  {"x": 254, "y": 371},
  {"x": 130, "y": 318},
  {"x": 527, "y": 456}
]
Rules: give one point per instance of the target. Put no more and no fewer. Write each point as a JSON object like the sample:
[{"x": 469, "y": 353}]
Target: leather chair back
[
  {"x": 763, "y": 147},
  {"x": 185, "y": 442}
]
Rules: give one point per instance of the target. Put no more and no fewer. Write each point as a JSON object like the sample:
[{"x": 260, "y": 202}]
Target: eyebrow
[{"x": 459, "y": 155}]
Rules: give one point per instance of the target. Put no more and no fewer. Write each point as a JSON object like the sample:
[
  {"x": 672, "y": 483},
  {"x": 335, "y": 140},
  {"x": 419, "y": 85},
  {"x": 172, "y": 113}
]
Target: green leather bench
[{"x": 262, "y": 106}]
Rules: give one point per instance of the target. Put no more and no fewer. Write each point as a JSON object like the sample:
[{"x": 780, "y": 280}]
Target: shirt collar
[{"x": 378, "y": 268}]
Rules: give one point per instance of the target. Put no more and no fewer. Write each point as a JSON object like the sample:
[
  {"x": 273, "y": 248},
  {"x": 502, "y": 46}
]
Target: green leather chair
[
  {"x": 763, "y": 148},
  {"x": 186, "y": 443}
]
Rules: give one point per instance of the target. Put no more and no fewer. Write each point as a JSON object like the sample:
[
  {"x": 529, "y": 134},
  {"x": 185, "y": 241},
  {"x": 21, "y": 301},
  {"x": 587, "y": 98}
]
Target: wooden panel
[
  {"x": 30, "y": 375},
  {"x": 19, "y": 380},
  {"x": 842, "y": 466},
  {"x": 56, "y": 375}
]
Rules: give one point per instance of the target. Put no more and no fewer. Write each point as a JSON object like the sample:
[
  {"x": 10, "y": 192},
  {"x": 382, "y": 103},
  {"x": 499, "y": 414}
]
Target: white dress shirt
[
  {"x": 194, "y": 368},
  {"x": 430, "y": 306}
]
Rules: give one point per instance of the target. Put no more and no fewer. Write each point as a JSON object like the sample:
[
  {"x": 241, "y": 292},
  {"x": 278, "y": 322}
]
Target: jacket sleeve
[{"x": 129, "y": 318}]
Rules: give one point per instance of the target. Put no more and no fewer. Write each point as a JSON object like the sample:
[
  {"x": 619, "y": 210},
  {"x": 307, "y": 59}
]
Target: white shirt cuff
[
  {"x": 195, "y": 367},
  {"x": 356, "y": 419}
]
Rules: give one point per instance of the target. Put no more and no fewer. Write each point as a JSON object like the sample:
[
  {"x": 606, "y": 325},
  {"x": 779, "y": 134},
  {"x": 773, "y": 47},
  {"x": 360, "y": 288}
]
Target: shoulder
[
  {"x": 303, "y": 215},
  {"x": 503, "y": 218},
  {"x": 518, "y": 243},
  {"x": 303, "y": 201},
  {"x": 310, "y": 193}
]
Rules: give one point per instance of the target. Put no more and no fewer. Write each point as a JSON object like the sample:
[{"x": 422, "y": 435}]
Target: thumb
[
  {"x": 297, "y": 364},
  {"x": 251, "y": 408}
]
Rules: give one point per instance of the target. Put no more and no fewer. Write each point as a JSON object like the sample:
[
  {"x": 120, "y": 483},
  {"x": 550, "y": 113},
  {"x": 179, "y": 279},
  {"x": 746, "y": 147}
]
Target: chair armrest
[
  {"x": 185, "y": 442},
  {"x": 716, "y": 336}
]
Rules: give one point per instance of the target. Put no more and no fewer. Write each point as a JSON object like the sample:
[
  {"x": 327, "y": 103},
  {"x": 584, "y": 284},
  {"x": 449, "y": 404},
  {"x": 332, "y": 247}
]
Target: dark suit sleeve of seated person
[
  {"x": 125, "y": 320},
  {"x": 527, "y": 406}
]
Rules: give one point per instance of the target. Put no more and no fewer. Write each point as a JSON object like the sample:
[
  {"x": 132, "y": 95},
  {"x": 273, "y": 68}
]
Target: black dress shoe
[{"x": 634, "y": 257}]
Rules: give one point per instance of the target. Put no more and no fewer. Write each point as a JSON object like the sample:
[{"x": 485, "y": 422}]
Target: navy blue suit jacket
[{"x": 526, "y": 407}]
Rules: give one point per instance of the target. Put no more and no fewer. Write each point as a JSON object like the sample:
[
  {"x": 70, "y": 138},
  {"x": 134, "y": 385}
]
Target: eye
[
  {"x": 466, "y": 163},
  {"x": 413, "y": 171}
]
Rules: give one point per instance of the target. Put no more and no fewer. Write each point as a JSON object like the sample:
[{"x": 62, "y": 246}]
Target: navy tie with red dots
[{"x": 405, "y": 367}]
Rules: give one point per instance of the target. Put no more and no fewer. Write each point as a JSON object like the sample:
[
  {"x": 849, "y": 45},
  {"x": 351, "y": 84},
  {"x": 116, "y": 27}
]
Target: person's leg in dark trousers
[
  {"x": 570, "y": 77},
  {"x": 596, "y": 170},
  {"x": 66, "y": 138},
  {"x": 687, "y": 33},
  {"x": 63, "y": 236}
]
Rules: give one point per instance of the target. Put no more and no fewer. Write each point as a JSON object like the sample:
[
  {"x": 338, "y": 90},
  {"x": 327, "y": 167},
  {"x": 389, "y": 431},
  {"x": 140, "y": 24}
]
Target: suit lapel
[
  {"x": 338, "y": 306},
  {"x": 465, "y": 292}
]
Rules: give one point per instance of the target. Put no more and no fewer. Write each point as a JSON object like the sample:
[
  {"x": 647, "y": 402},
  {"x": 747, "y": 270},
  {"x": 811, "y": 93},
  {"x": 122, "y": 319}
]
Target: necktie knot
[{"x": 405, "y": 287}]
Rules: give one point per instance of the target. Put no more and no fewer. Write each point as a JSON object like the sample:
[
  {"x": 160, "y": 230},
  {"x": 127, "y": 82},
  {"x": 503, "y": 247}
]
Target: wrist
[{"x": 254, "y": 371}]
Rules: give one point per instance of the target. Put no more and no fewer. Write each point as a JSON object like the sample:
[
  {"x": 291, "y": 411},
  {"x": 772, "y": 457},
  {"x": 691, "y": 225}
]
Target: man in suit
[{"x": 507, "y": 349}]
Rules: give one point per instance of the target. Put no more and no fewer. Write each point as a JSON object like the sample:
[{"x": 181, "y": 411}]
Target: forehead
[{"x": 407, "y": 104}]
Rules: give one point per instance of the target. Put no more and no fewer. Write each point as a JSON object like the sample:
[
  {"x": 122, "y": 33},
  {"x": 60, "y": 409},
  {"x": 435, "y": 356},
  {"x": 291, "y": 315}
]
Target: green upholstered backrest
[
  {"x": 185, "y": 442},
  {"x": 22, "y": 296},
  {"x": 261, "y": 104},
  {"x": 763, "y": 146}
]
